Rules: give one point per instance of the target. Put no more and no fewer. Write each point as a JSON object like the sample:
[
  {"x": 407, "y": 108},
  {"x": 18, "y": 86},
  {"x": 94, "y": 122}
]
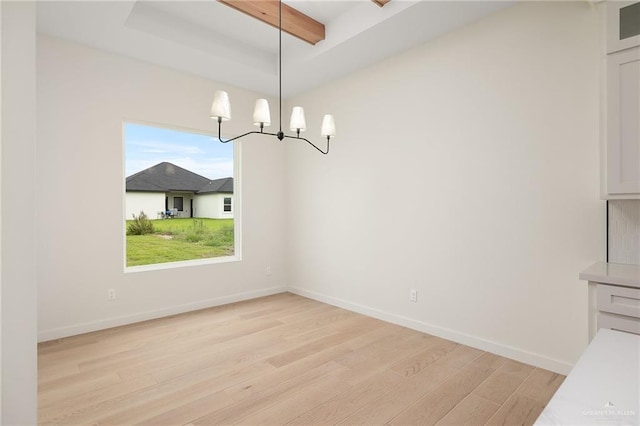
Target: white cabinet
[
  {"x": 614, "y": 297},
  {"x": 621, "y": 172},
  {"x": 623, "y": 122},
  {"x": 618, "y": 308}
]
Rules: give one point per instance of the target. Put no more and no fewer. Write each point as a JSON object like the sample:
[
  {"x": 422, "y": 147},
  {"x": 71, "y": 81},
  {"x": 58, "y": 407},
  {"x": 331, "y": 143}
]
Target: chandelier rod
[{"x": 280, "y": 58}]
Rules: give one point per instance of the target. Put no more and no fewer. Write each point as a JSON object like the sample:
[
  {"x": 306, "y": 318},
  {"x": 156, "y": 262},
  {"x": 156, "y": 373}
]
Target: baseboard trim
[
  {"x": 530, "y": 358},
  {"x": 58, "y": 333},
  {"x": 455, "y": 336}
]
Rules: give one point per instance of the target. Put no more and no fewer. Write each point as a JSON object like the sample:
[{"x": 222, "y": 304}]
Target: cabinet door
[
  {"x": 623, "y": 25},
  {"x": 623, "y": 122}
]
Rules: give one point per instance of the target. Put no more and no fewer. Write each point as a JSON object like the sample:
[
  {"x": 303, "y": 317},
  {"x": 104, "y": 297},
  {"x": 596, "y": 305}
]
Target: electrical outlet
[
  {"x": 413, "y": 295},
  {"x": 267, "y": 271},
  {"x": 111, "y": 294}
]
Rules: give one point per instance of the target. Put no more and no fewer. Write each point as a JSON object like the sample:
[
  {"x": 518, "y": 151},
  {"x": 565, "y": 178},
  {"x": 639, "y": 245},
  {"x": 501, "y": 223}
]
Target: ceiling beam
[
  {"x": 381, "y": 2},
  {"x": 294, "y": 22}
]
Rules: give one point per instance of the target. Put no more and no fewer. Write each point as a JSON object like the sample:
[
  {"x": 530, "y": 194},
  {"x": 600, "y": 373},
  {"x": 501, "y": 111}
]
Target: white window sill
[{"x": 182, "y": 264}]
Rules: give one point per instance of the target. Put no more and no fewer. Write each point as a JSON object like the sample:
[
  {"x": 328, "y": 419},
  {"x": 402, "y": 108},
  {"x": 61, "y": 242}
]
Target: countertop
[
  {"x": 603, "y": 387},
  {"x": 613, "y": 273}
]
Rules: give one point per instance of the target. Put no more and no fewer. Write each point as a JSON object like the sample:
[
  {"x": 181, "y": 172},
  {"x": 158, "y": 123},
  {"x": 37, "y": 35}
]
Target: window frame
[
  {"x": 237, "y": 195},
  {"x": 181, "y": 198}
]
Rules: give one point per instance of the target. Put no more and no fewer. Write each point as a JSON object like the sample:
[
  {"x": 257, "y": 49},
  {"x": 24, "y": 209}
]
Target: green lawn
[{"x": 181, "y": 239}]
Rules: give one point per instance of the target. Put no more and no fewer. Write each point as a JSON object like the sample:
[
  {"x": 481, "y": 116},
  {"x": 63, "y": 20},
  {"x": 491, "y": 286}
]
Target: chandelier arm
[
  {"x": 311, "y": 143},
  {"x": 255, "y": 132},
  {"x": 241, "y": 136},
  {"x": 261, "y": 132}
]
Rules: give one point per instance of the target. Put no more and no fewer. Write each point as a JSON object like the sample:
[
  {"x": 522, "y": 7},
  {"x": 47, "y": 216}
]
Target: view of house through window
[{"x": 178, "y": 196}]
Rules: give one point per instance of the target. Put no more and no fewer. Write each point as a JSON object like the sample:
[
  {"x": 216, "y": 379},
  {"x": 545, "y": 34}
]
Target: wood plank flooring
[{"x": 279, "y": 360}]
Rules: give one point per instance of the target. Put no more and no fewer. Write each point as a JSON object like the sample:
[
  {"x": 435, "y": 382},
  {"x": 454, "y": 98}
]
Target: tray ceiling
[{"x": 212, "y": 40}]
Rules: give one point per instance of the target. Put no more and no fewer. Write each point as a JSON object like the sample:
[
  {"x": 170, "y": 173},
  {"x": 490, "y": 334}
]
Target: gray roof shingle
[
  {"x": 167, "y": 177},
  {"x": 224, "y": 185}
]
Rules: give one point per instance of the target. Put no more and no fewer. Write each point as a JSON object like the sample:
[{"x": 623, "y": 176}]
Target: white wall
[
  {"x": 488, "y": 139},
  {"x": 84, "y": 95},
  {"x": 212, "y": 205},
  {"x": 18, "y": 215},
  {"x": 149, "y": 202},
  {"x": 207, "y": 205},
  {"x": 1, "y": 400}
]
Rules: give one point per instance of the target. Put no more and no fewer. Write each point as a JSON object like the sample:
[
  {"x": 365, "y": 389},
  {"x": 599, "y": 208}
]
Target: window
[
  {"x": 177, "y": 203},
  {"x": 630, "y": 21},
  {"x": 174, "y": 181}
]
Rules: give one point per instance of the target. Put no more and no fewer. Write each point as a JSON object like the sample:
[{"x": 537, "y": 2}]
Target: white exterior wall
[
  {"x": 211, "y": 206},
  {"x": 491, "y": 151},
  {"x": 77, "y": 84},
  {"x": 149, "y": 202},
  {"x": 206, "y": 205}
]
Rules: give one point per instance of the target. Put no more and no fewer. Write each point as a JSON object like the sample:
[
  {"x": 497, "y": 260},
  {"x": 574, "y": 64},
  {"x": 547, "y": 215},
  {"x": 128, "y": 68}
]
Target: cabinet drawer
[
  {"x": 619, "y": 300},
  {"x": 620, "y": 323}
]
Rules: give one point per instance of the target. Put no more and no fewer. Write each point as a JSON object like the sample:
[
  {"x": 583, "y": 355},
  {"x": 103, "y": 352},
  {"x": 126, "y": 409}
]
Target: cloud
[
  {"x": 212, "y": 168},
  {"x": 200, "y": 154},
  {"x": 165, "y": 147}
]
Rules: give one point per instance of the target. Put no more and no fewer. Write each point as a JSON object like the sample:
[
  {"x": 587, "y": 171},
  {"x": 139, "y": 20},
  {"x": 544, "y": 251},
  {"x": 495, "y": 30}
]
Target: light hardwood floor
[{"x": 277, "y": 360}]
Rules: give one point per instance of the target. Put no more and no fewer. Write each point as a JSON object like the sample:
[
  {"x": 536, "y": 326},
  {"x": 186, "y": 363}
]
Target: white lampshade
[
  {"x": 297, "y": 120},
  {"x": 221, "y": 107},
  {"x": 328, "y": 126},
  {"x": 261, "y": 113}
]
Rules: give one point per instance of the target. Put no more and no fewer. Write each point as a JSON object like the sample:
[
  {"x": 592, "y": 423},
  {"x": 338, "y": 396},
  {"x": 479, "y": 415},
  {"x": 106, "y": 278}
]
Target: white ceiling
[{"x": 215, "y": 41}]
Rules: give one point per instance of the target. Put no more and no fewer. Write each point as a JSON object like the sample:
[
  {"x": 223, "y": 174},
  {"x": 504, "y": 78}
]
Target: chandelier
[{"x": 221, "y": 110}]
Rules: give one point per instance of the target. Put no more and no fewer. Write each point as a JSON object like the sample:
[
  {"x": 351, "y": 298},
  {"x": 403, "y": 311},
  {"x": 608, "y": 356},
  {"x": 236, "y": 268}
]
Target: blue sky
[{"x": 146, "y": 146}]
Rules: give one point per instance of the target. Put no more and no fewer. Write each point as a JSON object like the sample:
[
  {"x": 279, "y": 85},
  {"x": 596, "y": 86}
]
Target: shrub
[
  {"x": 141, "y": 225},
  {"x": 196, "y": 232},
  {"x": 222, "y": 237},
  {"x": 226, "y": 233},
  {"x": 198, "y": 227},
  {"x": 192, "y": 237}
]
